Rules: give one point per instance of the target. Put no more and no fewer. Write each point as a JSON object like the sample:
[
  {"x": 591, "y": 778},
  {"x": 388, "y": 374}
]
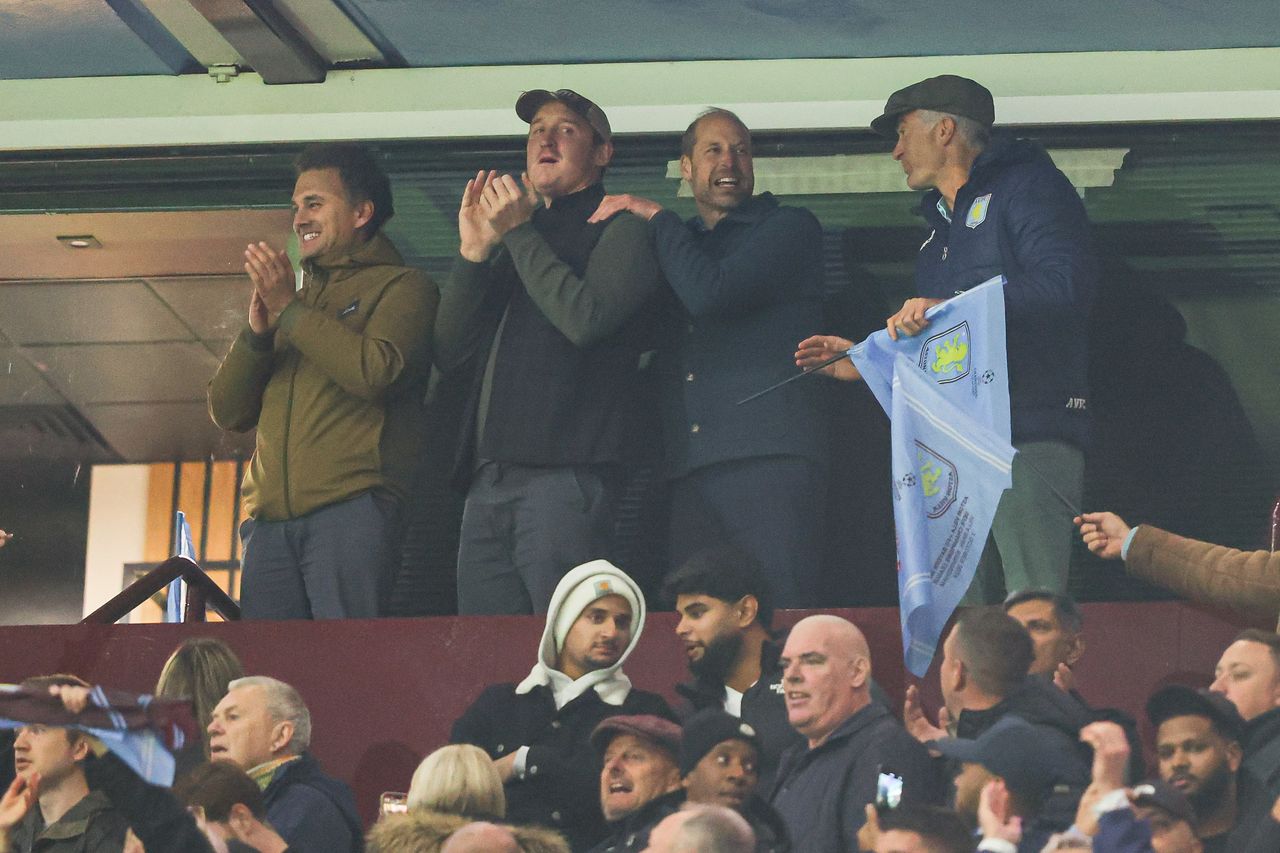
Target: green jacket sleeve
[
  {"x": 396, "y": 336},
  {"x": 235, "y": 392},
  {"x": 621, "y": 275},
  {"x": 1246, "y": 581},
  {"x": 457, "y": 331}
]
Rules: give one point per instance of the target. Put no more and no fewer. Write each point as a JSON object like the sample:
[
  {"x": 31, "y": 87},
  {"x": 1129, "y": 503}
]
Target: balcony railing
[{"x": 202, "y": 593}]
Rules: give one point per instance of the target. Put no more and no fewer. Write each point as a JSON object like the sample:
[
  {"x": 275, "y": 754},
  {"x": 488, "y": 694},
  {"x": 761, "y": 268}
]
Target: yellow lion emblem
[{"x": 950, "y": 355}]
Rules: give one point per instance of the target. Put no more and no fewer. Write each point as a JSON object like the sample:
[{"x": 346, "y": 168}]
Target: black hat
[
  {"x": 945, "y": 93},
  {"x": 707, "y": 729},
  {"x": 528, "y": 104},
  {"x": 1030, "y": 759},
  {"x": 1178, "y": 701},
  {"x": 1164, "y": 796},
  {"x": 664, "y": 733}
]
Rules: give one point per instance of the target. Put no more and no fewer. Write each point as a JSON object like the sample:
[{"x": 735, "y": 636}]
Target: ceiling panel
[
  {"x": 127, "y": 373},
  {"x": 216, "y": 307},
  {"x": 135, "y": 244},
  {"x": 21, "y": 384},
  {"x": 164, "y": 431},
  {"x": 84, "y": 38},
  {"x": 87, "y": 312},
  {"x": 443, "y": 32}
]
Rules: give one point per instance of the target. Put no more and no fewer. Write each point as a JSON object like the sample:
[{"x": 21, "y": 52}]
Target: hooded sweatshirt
[{"x": 546, "y": 721}]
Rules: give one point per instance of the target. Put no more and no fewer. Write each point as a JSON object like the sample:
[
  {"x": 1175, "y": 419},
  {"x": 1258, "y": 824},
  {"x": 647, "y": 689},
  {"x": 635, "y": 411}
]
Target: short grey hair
[
  {"x": 715, "y": 829},
  {"x": 974, "y": 133},
  {"x": 284, "y": 704}
]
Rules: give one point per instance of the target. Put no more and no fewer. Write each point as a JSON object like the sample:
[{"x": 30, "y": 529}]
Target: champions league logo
[
  {"x": 939, "y": 481},
  {"x": 947, "y": 356}
]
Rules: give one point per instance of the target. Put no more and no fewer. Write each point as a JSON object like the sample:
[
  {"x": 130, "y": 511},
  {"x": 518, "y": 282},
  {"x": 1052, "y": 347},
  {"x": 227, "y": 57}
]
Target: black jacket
[
  {"x": 768, "y": 825},
  {"x": 561, "y": 788},
  {"x": 1037, "y": 701},
  {"x": 313, "y": 812},
  {"x": 822, "y": 793},
  {"x": 549, "y": 399},
  {"x": 631, "y": 834},
  {"x": 1258, "y": 778},
  {"x": 764, "y": 708},
  {"x": 1019, "y": 216}
]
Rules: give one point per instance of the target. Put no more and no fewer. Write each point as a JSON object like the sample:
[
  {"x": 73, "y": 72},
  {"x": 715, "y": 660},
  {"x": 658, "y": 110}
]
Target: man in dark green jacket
[{"x": 330, "y": 373}]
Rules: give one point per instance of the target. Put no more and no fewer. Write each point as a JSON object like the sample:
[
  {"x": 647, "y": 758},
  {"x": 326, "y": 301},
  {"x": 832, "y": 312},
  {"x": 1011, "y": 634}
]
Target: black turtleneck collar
[{"x": 577, "y": 205}]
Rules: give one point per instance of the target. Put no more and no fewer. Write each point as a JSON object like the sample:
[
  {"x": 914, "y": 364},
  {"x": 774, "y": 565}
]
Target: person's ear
[
  {"x": 946, "y": 129},
  {"x": 281, "y": 734},
  {"x": 364, "y": 213},
  {"x": 746, "y": 610},
  {"x": 686, "y": 169},
  {"x": 1075, "y": 649},
  {"x": 602, "y": 154},
  {"x": 1235, "y": 756}
]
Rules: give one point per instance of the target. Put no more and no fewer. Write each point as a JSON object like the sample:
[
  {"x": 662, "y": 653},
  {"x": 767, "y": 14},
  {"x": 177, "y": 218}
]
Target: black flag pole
[{"x": 801, "y": 375}]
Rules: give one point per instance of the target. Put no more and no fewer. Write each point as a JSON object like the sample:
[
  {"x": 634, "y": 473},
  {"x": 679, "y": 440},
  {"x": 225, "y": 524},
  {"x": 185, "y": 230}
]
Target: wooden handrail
[{"x": 202, "y": 593}]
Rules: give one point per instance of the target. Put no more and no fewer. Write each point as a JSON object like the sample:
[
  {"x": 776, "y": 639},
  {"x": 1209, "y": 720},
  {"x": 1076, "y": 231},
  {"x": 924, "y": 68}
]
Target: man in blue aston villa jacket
[
  {"x": 999, "y": 206},
  {"x": 747, "y": 275}
]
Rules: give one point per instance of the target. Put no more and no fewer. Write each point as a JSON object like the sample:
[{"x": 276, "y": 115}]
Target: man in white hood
[{"x": 538, "y": 731}]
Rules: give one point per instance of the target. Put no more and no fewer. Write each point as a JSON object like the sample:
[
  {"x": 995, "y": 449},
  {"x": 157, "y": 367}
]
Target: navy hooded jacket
[{"x": 1019, "y": 216}]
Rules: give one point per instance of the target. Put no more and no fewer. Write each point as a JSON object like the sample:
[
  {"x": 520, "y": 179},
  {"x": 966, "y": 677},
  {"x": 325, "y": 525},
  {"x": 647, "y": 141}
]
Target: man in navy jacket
[
  {"x": 747, "y": 276},
  {"x": 999, "y": 206}
]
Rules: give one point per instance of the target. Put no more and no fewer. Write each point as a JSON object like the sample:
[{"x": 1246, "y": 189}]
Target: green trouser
[{"x": 1030, "y": 542}]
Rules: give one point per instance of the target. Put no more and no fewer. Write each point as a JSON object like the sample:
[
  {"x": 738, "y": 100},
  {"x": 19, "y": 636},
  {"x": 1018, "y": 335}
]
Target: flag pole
[{"x": 801, "y": 375}]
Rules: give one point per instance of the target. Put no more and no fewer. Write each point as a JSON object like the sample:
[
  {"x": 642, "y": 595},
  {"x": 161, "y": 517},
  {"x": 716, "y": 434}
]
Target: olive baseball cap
[
  {"x": 528, "y": 104},
  {"x": 945, "y": 93}
]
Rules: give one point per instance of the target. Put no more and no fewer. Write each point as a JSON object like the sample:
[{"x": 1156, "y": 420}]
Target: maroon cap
[{"x": 662, "y": 732}]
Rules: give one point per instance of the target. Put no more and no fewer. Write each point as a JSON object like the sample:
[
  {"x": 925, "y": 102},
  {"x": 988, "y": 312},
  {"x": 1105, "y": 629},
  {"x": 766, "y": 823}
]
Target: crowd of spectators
[{"x": 574, "y": 758}]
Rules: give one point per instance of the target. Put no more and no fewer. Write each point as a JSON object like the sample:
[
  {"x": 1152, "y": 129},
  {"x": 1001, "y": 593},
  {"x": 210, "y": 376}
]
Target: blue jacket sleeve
[
  {"x": 1049, "y": 239},
  {"x": 760, "y": 273}
]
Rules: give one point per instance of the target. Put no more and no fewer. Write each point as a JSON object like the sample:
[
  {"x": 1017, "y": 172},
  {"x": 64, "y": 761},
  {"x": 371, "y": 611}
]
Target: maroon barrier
[{"x": 384, "y": 692}]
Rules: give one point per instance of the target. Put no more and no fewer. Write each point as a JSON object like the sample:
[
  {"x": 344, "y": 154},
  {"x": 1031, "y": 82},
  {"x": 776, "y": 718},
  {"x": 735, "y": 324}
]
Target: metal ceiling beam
[{"x": 267, "y": 41}]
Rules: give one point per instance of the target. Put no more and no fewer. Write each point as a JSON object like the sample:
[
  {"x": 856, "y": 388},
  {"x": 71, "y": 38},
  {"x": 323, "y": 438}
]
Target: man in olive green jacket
[
  {"x": 331, "y": 375},
  {"x": 1245, "y": 581}
]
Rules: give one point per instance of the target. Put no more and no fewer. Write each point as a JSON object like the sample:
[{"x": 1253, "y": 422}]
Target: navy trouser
[
  {"x": 337, "y": 562},
  {"x": 524, "y": 528},
  {"x": 771, "y": 507}
]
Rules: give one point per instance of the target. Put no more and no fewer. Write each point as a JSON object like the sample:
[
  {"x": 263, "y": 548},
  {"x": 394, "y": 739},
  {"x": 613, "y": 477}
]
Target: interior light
[{"x": 80, "y": 241}]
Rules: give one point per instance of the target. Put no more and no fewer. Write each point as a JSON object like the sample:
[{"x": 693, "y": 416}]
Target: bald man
[
  {"x": 481, "y": 837},
  {"x": 702, "y": 829},
  {"x": 824, "y": 786}
]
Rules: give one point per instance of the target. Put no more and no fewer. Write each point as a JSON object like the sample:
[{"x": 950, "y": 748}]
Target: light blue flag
[
  {"x": 175, "y": 607},
  {"x": 948, "y": 474},
  {"x": 962, "y": 352}
]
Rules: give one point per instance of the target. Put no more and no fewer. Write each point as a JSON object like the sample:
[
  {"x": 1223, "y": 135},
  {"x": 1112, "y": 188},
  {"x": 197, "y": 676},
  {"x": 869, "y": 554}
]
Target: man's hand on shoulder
[
  {"x": 910, "y": 319},
  {"x": 508, "y": 204},
  {"x": 477, "y": 237},
  {"x": 611, "y": 205},
  {"x": 273, "y": 283}
]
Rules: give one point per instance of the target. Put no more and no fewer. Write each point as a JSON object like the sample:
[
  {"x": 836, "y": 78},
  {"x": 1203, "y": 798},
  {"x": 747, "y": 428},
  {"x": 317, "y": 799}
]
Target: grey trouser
[
  {"x": 336, "y": 562},
  {"x": 1030, "y": 542},
  {"x": 523, "y": 529}
]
